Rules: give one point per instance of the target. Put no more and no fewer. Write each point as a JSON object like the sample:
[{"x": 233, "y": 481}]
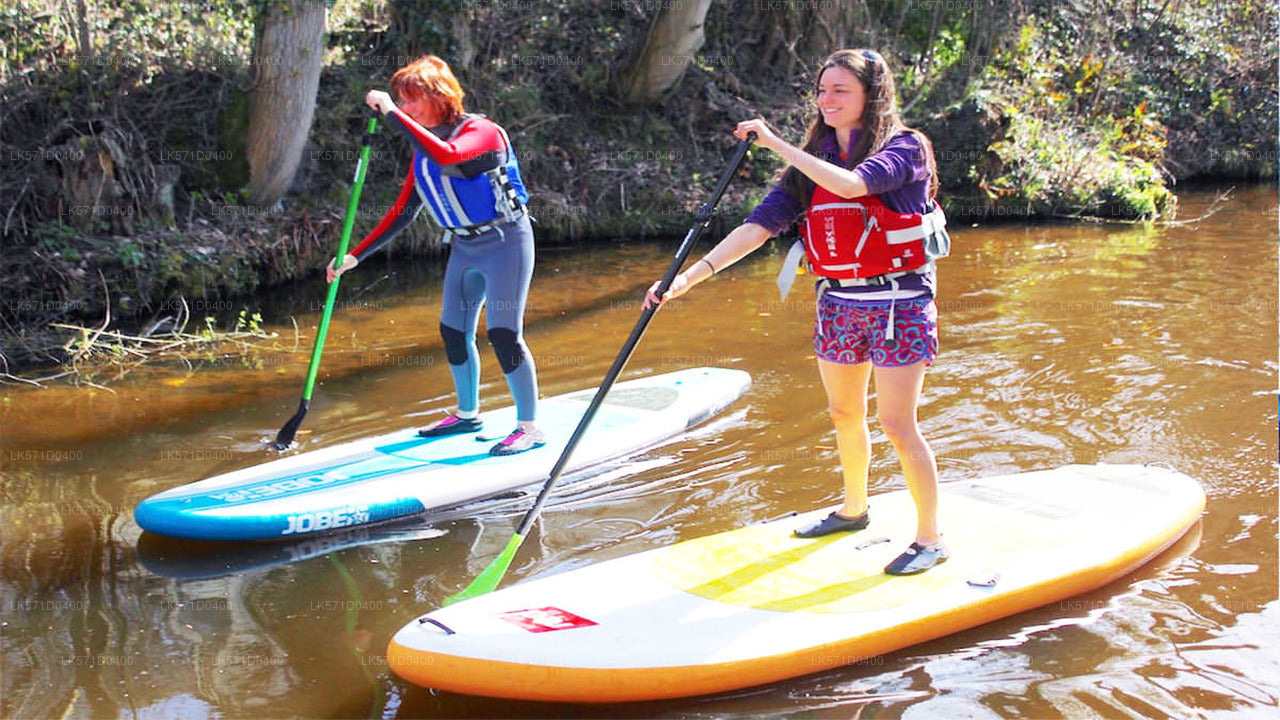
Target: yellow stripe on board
[{"x": 763, "y": 567}]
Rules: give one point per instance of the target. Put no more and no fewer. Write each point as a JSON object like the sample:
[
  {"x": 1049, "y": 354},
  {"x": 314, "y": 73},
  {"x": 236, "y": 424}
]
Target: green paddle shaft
[
  {"x": 348, "y": 223},
  {"x": 285, "y": 437}
]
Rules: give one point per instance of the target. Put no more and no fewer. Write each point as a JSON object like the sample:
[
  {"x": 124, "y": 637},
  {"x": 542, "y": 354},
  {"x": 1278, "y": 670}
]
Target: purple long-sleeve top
[{"x": 898, "y": 174}]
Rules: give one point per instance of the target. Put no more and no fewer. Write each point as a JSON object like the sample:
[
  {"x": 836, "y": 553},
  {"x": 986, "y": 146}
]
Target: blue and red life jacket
[{"x": 480, "y": 191}]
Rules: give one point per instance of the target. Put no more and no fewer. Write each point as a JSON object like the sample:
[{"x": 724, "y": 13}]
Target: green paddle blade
[{"x": 488, "y": 580}]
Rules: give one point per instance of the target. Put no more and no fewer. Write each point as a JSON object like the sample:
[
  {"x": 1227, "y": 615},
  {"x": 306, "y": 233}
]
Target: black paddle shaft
[{"x": 702, "y": 219}]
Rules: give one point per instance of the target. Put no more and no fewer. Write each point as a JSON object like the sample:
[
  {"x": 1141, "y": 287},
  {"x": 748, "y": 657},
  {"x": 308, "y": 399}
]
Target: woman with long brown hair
[{"x": 862, "y": 189}]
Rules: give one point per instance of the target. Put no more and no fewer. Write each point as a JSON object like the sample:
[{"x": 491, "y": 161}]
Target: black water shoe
[
  {"x": 452, "y": 425},
  {"x": 834, "y": 523},
  {"x": 917, "y": 559}
]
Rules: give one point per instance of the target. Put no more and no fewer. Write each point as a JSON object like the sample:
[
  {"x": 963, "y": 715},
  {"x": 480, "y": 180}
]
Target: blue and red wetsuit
[{"x": 468, "y": 178}]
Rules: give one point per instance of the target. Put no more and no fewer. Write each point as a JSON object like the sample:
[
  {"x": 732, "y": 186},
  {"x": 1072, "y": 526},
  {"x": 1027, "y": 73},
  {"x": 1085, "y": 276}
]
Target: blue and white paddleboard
[{"x": 398, "y": 474}]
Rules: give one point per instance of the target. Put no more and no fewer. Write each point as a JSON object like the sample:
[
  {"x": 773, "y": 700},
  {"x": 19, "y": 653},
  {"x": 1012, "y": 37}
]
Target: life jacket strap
[
  {"x": 472, "y": 232},
  {"x": 876, "y": 280}
]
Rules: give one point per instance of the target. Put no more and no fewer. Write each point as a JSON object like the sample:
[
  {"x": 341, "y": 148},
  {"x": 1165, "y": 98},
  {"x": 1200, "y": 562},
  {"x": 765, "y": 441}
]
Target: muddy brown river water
[{"x": 1060, "y": 344}]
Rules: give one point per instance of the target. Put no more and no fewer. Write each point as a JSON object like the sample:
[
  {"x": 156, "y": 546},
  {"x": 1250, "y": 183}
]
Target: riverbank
[
  {"x": 127, "y": 202},
  {"x": 384, "y": 325}
]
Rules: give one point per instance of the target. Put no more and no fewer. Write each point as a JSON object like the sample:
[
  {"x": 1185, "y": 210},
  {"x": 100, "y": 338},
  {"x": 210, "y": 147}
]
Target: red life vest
[{"x": 861, "y": 237}]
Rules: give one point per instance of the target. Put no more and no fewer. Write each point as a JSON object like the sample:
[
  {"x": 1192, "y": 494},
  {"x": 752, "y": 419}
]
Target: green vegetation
[{"x": 127, "y": 125}]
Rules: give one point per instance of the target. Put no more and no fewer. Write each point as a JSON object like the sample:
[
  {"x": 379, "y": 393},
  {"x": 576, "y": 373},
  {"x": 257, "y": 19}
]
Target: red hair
[{"x": 429, "y": 78}]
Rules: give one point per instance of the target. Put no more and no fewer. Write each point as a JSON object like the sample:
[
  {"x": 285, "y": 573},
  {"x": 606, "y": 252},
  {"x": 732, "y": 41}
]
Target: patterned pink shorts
[{"x": 851, "y": 332}]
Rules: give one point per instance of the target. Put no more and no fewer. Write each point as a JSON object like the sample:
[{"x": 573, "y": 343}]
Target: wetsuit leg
[
  {"x": 508, "y": 268},
  {"x": 463, "y": 296}
]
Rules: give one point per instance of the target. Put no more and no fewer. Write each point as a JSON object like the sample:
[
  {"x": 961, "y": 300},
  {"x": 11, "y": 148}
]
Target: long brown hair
[{"x": 881, "y": 121}]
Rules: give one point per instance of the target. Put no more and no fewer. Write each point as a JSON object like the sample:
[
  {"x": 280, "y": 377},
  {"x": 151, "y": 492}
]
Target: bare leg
[
  {"x": 897, "y": 396},
  {"x": 846, "y": 387}
]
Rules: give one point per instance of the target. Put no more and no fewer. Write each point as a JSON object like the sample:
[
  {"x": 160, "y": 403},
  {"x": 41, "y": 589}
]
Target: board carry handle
[{"x": 489, "y": 578}]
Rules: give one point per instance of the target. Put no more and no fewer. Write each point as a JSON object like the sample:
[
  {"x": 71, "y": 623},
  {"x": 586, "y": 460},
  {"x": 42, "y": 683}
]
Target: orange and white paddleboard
[{"x": 756, "y": 605}]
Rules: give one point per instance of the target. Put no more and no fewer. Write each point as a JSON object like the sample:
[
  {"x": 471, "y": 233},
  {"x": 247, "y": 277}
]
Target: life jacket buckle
[{"x": 470, "y": 232}]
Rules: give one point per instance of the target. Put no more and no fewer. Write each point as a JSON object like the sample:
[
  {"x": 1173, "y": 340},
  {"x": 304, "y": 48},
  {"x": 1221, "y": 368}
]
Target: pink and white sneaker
[{"x": 519, "y": 441}]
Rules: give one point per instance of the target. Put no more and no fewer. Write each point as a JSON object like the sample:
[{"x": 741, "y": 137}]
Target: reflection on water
[{"x": 1060, "y": 344}]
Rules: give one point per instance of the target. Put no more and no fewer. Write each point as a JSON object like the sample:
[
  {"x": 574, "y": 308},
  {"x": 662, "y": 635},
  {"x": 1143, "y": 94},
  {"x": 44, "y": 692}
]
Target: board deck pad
[
  {"x": 756, "y": 605},
  {"x": 844, "y": 573},
  {"x": 398, "y": 474}
]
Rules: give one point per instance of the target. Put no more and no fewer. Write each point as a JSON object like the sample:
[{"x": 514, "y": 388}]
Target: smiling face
[{"x": 841, "y": 99}]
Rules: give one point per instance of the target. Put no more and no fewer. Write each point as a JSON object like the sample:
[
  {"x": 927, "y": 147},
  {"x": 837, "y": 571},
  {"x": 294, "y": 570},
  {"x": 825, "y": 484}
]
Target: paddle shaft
[
  {"x": 287, "y": 432},
  {"x": 489, "y": 578},
  {"x": 701, "y": 222},
  {"x": 348, "y": 223}
]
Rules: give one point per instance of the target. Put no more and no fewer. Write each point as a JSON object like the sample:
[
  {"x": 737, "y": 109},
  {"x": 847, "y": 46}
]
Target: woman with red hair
[{"x": 465, "y": 173}]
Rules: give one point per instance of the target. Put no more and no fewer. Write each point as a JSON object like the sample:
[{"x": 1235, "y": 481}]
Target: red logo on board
[{"x": 545, "y": 619}]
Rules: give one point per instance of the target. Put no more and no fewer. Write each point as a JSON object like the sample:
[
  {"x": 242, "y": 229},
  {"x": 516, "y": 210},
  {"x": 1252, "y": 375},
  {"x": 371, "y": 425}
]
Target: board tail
[{"x": 488, "y": 580}]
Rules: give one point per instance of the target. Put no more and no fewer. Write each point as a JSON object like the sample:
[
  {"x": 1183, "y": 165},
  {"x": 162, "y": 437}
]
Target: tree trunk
[
  {"x": 674, "y": 37},
  {"x": 438, "y": 27},
  {"x": 783, "y": 40},
  {"x": 827, "y": 27},
  {"x": 84, "y": 43},
  {"x": 288, "y": 51}
]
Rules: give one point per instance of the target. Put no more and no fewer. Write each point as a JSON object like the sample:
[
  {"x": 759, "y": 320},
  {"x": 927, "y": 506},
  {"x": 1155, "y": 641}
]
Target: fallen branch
[
  {"x": 94, "y": 349},
  {"x": 106, "y": 320},
  {"x": 1219, "y": 201}
]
